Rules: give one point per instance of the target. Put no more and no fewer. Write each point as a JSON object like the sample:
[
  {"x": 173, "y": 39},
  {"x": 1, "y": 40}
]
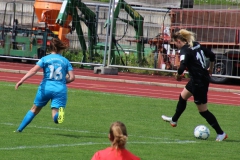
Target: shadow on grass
[
  {"x": 78, "y": 136},
  {"x": 232, "y": 141}
]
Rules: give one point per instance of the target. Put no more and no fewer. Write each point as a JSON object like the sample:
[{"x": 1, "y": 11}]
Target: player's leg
[
  {"x": 58, "y": 114},
  {"x": 200, "y": 99},
  {"x": 41, "y": 100},
  {"x": 58, "y": 107},
  {"x": 211, "y": 119},
  {"x": 181, "y": 106},
  {"x": 182, "y": 103},
  {"x": 29, "y": 117}
]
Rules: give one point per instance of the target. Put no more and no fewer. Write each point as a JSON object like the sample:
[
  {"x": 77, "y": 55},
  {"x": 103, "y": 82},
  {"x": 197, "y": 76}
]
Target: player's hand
[
  {"x": 178, "y": 77},
  {"x": 210, "y": 71},
  {"x": 18, "y": 84}
]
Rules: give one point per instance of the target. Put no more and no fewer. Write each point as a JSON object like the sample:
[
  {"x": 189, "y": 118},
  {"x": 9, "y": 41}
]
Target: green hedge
[{"x": 122, "y": 59}]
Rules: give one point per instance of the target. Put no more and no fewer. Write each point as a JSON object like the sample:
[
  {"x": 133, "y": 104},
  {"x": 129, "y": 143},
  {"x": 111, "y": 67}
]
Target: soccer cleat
[
  {"x": 169, "y": 119},
  {"x": 17, "y": 131},
  {"x": 60, "y": 115},
  {"x": 221, "y": 137}
]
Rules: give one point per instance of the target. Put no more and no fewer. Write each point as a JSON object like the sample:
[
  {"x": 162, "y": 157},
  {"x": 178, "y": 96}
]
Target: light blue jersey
[{"x": 53, "y": 86}]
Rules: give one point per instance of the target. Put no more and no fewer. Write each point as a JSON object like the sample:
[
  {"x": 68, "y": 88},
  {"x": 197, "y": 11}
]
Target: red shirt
[{"x": 113, "y": 154}]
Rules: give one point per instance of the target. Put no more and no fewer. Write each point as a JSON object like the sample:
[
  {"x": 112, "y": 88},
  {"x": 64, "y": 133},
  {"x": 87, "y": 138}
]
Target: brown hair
[
  {"x": 118, "y": 135},
  {"x": 56, "y": 45},
  {"x": 185, "y": 36}
]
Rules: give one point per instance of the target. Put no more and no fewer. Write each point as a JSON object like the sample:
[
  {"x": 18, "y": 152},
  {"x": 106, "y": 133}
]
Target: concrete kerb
[{"x": 127, "y": 81}]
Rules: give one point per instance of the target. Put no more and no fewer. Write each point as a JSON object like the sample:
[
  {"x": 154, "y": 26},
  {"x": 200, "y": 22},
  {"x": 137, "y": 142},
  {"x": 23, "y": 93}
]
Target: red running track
[{"x": 125, "y": 88}]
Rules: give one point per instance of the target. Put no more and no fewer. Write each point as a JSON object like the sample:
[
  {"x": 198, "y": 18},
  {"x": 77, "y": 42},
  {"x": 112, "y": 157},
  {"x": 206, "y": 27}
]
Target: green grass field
[{"x": 88, "y": 117}]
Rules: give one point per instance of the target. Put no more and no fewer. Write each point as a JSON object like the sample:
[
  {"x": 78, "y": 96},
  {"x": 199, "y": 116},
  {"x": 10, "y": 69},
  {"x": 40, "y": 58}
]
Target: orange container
[{"x": 47, "y": 11}]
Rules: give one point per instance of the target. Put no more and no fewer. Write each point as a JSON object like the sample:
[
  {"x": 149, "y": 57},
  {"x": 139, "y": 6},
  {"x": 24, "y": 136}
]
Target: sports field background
[{"x": 88, "y": 117}]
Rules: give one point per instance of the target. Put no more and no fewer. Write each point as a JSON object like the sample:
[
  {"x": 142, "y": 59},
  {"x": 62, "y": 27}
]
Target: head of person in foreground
[{"x": 118, "y": 135}]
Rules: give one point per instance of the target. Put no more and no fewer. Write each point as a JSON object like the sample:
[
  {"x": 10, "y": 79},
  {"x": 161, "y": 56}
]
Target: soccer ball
[{"x": 201, "y": 132}]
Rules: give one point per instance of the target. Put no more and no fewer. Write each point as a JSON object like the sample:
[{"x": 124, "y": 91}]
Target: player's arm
[
  {"x": 209, "y": 54},
  {"x": 210, "y": 69},
  {"x": 29, "y": 74},
  {"x": 180, "y": 71},
  {"x": 70, "y": 77},
  {"x": 182, "y": 67}
]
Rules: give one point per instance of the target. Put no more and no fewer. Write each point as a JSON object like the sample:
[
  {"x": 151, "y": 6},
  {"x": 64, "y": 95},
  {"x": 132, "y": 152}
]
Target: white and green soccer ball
[{"x": 201, "y": 132}]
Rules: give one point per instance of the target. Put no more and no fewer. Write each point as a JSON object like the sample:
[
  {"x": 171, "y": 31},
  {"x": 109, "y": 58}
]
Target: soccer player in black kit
[{"x": 192, "y": 58}]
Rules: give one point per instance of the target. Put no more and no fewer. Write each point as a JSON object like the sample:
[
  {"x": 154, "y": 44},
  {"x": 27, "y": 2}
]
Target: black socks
[
  {"x": 211, "y": 119},
  {"x": 181, "y": 106}
]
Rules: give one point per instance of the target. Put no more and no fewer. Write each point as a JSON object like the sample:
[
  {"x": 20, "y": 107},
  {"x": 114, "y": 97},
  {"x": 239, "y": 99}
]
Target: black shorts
[{"x": 199, "y": 91}]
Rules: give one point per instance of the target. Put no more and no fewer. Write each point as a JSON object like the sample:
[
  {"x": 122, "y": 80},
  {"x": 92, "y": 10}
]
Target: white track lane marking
[
  {"x": 155, "y": 93},
  {"x": 73, "y": 91}
]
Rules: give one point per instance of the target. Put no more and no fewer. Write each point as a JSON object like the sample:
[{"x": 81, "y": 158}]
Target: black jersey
[{"x": 194, "y": 60}]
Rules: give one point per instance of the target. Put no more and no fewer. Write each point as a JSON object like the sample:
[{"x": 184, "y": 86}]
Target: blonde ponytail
[
  {"x": 118, "y": 134},
  {"x": 185, "y": 36}
]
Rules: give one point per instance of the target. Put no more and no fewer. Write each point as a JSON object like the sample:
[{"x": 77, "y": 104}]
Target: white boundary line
[
  {"x": 164, "y": 140},
  {"x": 88, "y": 144},
  {"x": 81, "y": 131}
]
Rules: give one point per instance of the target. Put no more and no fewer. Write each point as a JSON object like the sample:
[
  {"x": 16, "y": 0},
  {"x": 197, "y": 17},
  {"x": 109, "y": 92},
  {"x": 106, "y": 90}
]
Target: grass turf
[{"x": 88, "y": 117}]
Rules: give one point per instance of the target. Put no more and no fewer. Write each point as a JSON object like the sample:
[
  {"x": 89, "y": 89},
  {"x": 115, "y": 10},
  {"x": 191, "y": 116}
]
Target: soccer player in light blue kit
[{"x": 57, "y": 72}]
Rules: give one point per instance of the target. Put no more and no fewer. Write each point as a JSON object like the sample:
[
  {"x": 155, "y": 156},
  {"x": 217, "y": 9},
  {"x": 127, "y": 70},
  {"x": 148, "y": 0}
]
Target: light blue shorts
[{"x": 58, "y": 99}]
